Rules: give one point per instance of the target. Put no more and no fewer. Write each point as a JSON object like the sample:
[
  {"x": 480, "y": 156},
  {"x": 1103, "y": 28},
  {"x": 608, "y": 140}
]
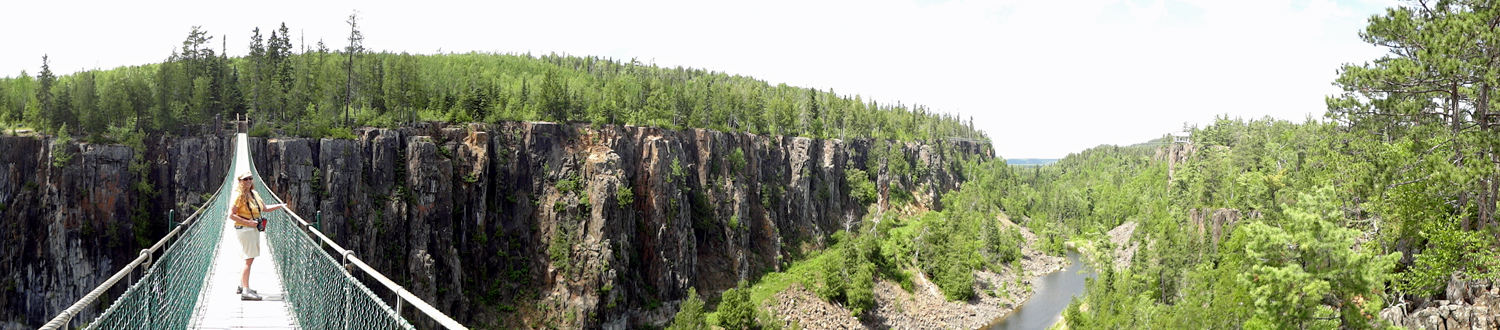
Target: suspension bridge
[{"x": 186, "y": 280}]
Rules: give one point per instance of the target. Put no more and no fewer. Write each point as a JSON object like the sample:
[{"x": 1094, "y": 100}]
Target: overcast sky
[{"x": 1043, "y": 78}]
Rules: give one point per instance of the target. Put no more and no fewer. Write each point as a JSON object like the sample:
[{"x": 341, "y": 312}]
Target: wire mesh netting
[
  {"x": 320, "y": 292},
  {"x": 167, "y": 295}
]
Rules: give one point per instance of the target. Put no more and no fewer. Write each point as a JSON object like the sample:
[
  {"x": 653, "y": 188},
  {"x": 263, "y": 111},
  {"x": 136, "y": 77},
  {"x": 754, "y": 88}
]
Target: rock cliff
[
  {"x": 72, "y": 213},
  {"x": 530, "y": 224}
]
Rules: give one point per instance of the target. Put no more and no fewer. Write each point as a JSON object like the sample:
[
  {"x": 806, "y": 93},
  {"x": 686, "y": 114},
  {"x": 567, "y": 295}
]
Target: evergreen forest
[{"x": 315, "y": 91}]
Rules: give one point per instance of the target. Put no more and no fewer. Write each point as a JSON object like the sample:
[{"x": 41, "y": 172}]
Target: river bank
[
  {"x": 999, "y": 293},
  {"x": 1054, "y": 291}
]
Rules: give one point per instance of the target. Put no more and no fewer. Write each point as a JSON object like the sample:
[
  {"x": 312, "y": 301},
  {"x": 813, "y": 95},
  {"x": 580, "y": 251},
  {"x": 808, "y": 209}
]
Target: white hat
[{"x": 243, "y": 175}]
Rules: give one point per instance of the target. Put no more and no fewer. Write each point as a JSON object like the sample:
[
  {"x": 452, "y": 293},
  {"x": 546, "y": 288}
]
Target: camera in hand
[{"x": 260, "y": 224}]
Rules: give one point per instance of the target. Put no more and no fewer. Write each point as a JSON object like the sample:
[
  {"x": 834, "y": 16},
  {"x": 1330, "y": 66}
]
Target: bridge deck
[{"x": 221, "y": 308}]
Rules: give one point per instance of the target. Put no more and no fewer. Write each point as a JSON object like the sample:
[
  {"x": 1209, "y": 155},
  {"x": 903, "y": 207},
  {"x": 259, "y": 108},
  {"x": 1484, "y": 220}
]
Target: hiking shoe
[
  {"x": 249, "y": 296},
  {"x": 239, "y": 290}
]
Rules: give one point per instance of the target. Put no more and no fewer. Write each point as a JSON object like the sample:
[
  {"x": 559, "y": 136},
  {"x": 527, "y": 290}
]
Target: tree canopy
[{"x": 308, "y": 89}]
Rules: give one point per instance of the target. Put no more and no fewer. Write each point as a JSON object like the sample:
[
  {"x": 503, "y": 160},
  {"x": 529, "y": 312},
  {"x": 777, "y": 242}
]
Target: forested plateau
[{"x": 515, "y": 191}]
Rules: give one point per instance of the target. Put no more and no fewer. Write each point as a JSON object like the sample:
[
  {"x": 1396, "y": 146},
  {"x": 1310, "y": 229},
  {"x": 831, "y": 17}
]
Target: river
[{"x": 1053, "y": 293}]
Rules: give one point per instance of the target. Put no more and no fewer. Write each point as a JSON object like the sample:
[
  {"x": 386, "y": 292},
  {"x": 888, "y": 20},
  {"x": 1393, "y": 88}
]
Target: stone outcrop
[
  {"x": 1470, "y": 305},
  {"x": 1213, "y": 224},
  {"x": 1123, "y": 247}
]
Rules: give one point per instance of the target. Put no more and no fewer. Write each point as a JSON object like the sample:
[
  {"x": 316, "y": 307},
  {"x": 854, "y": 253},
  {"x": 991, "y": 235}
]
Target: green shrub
[
  {"x": 341, "y": 133},
  {"x": 1004, "y": 244},
  {"x": 60, "y": 154},
  {"x": 1449, "y": 250},
  {"x": 832, "y": 288},
  {"x": 907, "y": 283},
  {"x": 860, "y": 186},
  {"x": 899, "y": 243},
  {"x": 690, "y": 314},
  {"x": 559, "y": 248},
  {"x": 736, "y": 311},
  {"x": 703, "y": 211},
  {"x": 624, "y": 195},
  {"x": 955, "y": 279},
  {"x": 260, "y": 131},
  {"x": 584, "y": 202},
  {"x": 861, "y": 291},
  {"x": 900, "y": 196},
  {"x": 897, "y": 162},
  {"x": 1074, "y": 315},
  {"x": 677, "y": 171},
  {"x": 737, "y": 160},
  {"x": 770, "y": 195},
  {"x": 568, "y": 185},
  {"x": 459, "y": 115}
]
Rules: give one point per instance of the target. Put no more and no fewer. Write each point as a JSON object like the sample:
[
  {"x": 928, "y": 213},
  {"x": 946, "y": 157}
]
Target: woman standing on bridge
[{"x": 246, "y": 216}]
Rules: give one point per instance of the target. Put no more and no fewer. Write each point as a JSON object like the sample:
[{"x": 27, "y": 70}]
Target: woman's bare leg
[{"x": 245, "y": 275}]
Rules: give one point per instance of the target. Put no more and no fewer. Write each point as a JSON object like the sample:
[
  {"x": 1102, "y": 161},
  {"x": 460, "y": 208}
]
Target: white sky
[{"x": 1043, "y": 78}]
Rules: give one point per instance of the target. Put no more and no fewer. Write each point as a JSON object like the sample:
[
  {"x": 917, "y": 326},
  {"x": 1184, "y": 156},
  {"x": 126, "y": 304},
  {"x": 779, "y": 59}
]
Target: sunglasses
[{"x": 245, "y": 179}]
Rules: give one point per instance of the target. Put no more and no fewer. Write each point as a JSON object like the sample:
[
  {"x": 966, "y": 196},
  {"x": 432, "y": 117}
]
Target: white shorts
[{"x": 249, "y": 241}]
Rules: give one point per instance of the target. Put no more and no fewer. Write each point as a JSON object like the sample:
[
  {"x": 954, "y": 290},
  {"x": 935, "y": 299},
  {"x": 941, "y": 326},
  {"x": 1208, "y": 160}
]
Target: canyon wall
[
  {"x": 72, "y": 214},
  {"x": 523, "y": 224},
  {"x": 511, "y": 224}
]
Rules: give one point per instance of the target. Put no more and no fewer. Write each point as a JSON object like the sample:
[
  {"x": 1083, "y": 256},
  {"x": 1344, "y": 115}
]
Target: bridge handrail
[
  {"x": 67, "y": 314},
  {"x": 407, "y": 296}
]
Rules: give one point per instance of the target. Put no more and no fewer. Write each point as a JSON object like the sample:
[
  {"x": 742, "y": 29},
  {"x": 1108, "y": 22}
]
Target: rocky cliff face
[
  {"x": 66, "y": 213},
  {"x": 529, "y": 224},
  {"x": 515, "y": 224}
]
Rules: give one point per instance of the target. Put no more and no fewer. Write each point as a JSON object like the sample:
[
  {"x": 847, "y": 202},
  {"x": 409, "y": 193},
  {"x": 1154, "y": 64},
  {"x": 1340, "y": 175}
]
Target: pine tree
[
  {"x": 351, "y": 54},
  {"x": 279, "y": 76},
  {"x": 1306, "y": 262},
  {"x": 258, "y": 72},
  {"x": 44, "y": 96}
]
